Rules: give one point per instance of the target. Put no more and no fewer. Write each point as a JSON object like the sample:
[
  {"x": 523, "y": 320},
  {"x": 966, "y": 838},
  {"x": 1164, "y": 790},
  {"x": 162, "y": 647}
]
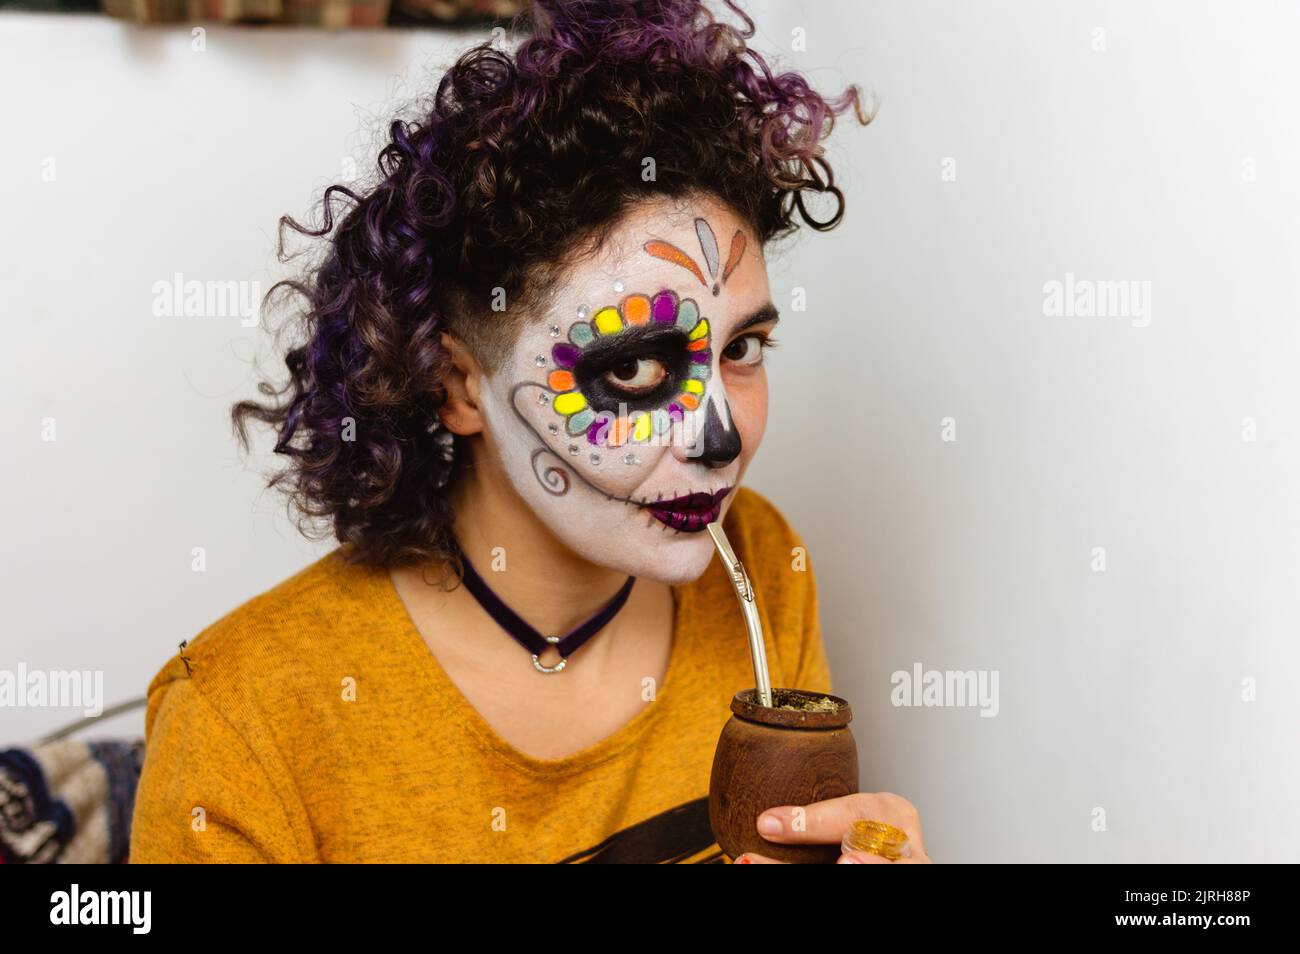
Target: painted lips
[{"x": 689, "y": 513}]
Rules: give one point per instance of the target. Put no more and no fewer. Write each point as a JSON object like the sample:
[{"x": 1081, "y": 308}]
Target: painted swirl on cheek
[{"x": 554, "y": 477}]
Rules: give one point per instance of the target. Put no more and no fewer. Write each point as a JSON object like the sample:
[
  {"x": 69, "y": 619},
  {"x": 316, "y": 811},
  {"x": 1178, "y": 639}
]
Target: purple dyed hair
[{"x": 518, "y": 161}]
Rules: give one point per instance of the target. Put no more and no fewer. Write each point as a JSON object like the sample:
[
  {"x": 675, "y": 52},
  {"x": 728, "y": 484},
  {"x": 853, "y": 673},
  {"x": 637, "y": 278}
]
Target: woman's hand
[{"x": 826, "y": 823}]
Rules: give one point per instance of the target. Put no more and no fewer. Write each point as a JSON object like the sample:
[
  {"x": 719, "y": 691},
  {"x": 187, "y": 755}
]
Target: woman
[{"x": 533, "y": 365}]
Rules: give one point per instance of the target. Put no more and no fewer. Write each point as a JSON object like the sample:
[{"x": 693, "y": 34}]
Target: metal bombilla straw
[{"x": 745, "y": 593}]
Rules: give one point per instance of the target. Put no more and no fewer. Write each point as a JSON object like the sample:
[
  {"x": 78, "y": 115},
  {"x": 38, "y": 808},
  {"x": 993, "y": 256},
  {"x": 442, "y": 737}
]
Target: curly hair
[{"x": 518, "y": 162}]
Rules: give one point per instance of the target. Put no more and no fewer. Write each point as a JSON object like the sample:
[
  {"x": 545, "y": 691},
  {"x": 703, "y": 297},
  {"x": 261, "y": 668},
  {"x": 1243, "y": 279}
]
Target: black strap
[{"x": 526, "y": 635}]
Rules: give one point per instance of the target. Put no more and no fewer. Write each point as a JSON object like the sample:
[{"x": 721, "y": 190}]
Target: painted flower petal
[
  {"x": 571, "y": 403},
  {"x": 608, "y": 321},
  {"x": 664, "y": 307},
  {"x": 636, "y": 309},
  {"x": 565, "y": 355},
  {"x": 708, "y": 245},
  {"x": 599, "y": 429},
  {"x": 578, "y": 423},
  {"x": 618, "y": 432},
  {"x": 687, "y": 314}
]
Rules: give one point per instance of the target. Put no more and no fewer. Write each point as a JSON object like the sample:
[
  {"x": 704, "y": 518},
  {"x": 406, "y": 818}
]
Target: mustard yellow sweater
[{"x": 313, "y": 724}]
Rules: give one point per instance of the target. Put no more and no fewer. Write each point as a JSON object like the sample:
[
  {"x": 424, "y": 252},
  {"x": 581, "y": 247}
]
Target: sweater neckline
[{"x": 428, "y": 669}]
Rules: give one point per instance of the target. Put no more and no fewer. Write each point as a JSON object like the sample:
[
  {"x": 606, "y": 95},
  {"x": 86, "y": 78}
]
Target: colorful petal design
[
  {"x": 602, "y": 428},
  {"x": 570, "y": 402},
  {"x": 566, "y": 355},
  {"x": 608, "y": 321},
  {"x": 598, "y": 430},
  {"x": 664, "y": 307}
]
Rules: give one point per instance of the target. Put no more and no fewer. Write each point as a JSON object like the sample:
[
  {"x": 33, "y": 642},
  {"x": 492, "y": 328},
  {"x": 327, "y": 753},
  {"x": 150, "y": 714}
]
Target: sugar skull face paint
[{"x": 626, "y": 417}]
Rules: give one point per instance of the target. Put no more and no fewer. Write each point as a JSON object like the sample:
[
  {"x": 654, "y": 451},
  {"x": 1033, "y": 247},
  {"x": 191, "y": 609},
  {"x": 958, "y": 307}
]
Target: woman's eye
[
  {"x": 747, "y": 350},
  {"x": 637, "y": 375}
]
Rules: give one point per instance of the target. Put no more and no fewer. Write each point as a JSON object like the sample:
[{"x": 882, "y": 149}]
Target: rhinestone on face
[
  {"x": 584, "y": 312},
  {"x": 629, "y": 458},
  {"x": 555, "y": 331},
  {"x": 540, "y": 360},
  {"x": 543, "y": 398},
  {"x": 573, "y": 449},
  {"x": 618, "y": 287},
  {"x": 553, "y": 428},
  {"x": 595, "y": 458}
]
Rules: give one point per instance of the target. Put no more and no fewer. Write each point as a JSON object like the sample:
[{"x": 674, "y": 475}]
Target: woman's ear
[{"x": 460, "y": 413}]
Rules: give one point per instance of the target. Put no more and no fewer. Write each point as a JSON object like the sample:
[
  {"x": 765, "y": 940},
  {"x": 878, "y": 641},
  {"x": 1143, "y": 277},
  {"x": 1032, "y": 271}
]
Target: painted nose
[{"x": 718, "y": 443}]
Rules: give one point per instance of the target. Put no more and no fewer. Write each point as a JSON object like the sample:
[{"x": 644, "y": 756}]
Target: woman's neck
[{"x": 547, "y": 583}]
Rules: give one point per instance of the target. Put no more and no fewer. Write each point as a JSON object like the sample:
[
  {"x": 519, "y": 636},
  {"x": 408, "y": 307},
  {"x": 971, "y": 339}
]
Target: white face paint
[{"x": 626, "y": 415}]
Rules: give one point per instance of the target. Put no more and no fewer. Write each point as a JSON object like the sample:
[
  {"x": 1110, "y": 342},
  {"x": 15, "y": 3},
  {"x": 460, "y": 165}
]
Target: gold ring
[{"x": 876, "y": 838}]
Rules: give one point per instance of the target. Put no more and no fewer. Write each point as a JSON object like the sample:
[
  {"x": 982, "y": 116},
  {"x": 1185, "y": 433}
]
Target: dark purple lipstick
[{"x": 689, "y": 513}]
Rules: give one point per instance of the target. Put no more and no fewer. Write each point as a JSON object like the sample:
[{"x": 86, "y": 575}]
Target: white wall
[{"x": 1119, "y": 690}]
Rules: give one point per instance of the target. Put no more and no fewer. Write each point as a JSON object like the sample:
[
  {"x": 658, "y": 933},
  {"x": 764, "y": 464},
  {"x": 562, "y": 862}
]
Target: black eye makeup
[
  {"x": 629, "y": 371},
  {"x": 641, "y": 369}
]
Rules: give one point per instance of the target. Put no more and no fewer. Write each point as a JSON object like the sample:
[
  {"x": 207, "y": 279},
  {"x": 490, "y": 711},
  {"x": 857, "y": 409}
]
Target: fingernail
[
  {"x": 769, "y": 825},
  {"x": 848, "y": 860},
  {"x": 743, "y": 860}
]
